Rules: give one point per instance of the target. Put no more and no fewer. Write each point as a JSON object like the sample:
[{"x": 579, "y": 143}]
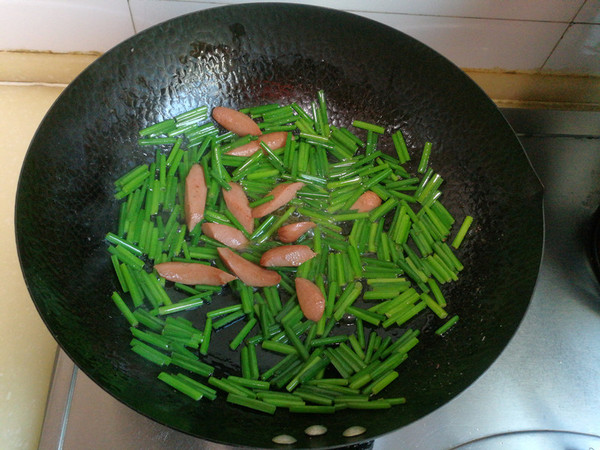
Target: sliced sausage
[
  {"x": 287, "y": 256},
  {"x": 250, "y": 273},
  {"x": 193, "y": 273},
  {"x": 238, "y": 204},
  {"x": 225, "y": 234},
  {"x": 310, "y": 298},
  {"x": 274, "y": 141},
  {"x": 366, "y": 202},
  {"x": 282, "y": 194},
  {"x": 235, "y": 121},
  {"x": 290, "y": 233},
  {"x": 195, "y": 196}
]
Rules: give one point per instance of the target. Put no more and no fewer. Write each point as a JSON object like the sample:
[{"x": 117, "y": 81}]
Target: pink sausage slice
[
  {"x": 310, "y": 298},
  {"x": 238, "y": 204},
  {"x": 235, "y": 121},
  {"x": 193, "y": 273},
  {"x": 366, "y": 202},
  {"x": 287, "y": 256},
  {"x": 248, "y": 272},
  {"x": 230, "y": 236},
  {"x": 282, "y": 194},
  {"x": 195, "y": 196},
  {"x": 274, "y": 141},
  {"x": 289, "y": 233}
]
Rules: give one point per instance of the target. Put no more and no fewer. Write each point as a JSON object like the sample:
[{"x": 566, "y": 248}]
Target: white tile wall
[
  {"x": 553, "y": 10},
  {"x": 559, "y": 35},
  {"x": 63, "y": 26},
  {"x": 481, "y": 43},
  {"x": 589, "y": 13},
  {"x": 578, "y": 51},
  {"x": 146, "y": 13}
]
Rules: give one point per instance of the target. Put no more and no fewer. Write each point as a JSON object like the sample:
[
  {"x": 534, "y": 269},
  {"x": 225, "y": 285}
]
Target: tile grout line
[
  {"x": 67, "y": 411},
  {"x": 131, "y": 17},
  {"x": 32, "y": 83},
  {"x": 450, "y": 16},
  {"x": 569, "y": 25}
]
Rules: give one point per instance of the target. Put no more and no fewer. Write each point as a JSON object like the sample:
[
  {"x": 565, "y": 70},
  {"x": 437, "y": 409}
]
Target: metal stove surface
[{"x": 543, "y": 392}]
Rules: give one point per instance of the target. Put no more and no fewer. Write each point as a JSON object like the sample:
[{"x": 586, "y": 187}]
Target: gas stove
[{"x": 543, "y": 392}]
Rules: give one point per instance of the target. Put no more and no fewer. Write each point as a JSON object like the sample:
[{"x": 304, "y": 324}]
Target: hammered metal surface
[{"x": 253, "y": 54}]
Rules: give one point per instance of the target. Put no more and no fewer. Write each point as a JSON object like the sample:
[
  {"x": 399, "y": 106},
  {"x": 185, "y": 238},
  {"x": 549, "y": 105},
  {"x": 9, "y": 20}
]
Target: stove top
[{"x": 543, "y": 392}]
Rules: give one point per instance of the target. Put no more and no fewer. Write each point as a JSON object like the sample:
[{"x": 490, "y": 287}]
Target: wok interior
[{"x": 248, "y": 55}]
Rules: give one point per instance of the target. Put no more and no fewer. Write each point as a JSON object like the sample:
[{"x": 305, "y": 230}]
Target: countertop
[
  {"x": 29, "y": 84},
  {"x": 28, "y": 350}
]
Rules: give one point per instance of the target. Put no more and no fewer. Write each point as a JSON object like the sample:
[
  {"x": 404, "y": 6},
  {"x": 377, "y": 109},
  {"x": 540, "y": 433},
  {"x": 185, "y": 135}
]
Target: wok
[{"x": 253, "y": 54}]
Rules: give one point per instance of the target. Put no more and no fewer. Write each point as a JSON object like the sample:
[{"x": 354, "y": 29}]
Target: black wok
[{"x": 253, "y": 54}]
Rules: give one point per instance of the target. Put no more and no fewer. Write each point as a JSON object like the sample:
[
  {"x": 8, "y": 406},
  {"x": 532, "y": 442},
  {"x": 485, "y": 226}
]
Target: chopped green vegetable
[
  {"x": 379, "y": 268},
  {"x": 462, "y": 231}
]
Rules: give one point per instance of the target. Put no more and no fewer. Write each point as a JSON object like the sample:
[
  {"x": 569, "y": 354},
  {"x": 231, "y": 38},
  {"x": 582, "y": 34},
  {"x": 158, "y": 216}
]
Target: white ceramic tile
[
  {"x": 64, "y": 26},
  {"x": 590, "y": 13},
  {"x": 146, "y": 13},
  {"x": 472, "y": 43},
  {"x": 578, "y": 51},
  {"x": 547, "y": 10},
  {"x": 481, "y": 43}
]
